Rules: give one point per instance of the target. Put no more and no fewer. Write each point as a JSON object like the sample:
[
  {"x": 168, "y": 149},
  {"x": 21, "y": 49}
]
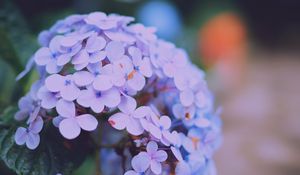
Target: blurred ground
[{"x": 262, "y": 119}]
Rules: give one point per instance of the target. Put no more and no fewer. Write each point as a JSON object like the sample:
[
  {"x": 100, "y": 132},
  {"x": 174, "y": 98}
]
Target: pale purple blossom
[
  {"x": 30, "y": 136},
  {"x": 65, "y": 85},
  {"x": 71, "y": 124},
  {"x": 97, "y": 100}
]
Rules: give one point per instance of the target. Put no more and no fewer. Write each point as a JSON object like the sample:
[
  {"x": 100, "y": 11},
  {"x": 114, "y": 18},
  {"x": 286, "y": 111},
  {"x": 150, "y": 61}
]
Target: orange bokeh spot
[{"x": 222, "y": 37}]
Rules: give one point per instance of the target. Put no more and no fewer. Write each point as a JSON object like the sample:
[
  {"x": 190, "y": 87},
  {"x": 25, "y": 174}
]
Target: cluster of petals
[{"x": 96, "y": 63}]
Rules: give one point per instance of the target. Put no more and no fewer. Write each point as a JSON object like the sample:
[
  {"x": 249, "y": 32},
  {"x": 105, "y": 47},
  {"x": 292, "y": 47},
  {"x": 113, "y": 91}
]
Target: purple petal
[
  {"x": 137, "y": 82},
  {"x": 169, "y": 69},
  {"x": 141, "y": 162},
  {"x": 21, "y": 115},
  {"x": 56, "y": 120},
  {"x": 97, "y": 104},
  {"x": 119, "y": 36},
  {"x": 97, "y": 56},
  {"x": 127, "y": 104},
  {"x": 154, "y": 130},
  {"x": 21, "y": 136},
  {"x": 48, "y": 98},
  {"x": 176, "y": 153},
  {"x": 95, "y": 43},
  {"x": 37, "y": 125},
  {"x": 145, "y": 67},
  {"x": 63, "y": 59},
  {"x": 168, "y": 137},
  {"x": 180, "y": 81},
  {"x": 155, "y": 167},
  {"x": 182, "y": 168},
  {"x": 165, "y": 122},
  {"x": 85, "y": 97},
  {"x": 69, "y": 128},
  {"x": 87, "y": 122},
  {"x": 160, "y": 156},
  {"x": 151, "y": 147},
  {"x": 55, "y": 82},
  {"x": 187, "y": 97},
  {"x": 65, "y": 108},
  {"x": 52, "y": 67},
  {"x": 81, "y": 57},
  {"x": 118, "y": 121},
  {"x": 111, "y": 98},
  {"x": 131, "y": 172},
  {"x": 81, "y": 66},
  {"x": 114, "y": 50},
  {"x": 83, "y": 78},
  {"x": 141, "y": 112},
  {"x": 202, "y": 122},
  {"x": 69, "y": 41},
  {"x": 102, "y": 82},
  {"x": 70, "y": 92},
  {"x": 42, "y": 56},
  {"x": 134, "y": 126},
  {"x": 32, "y": 141}
]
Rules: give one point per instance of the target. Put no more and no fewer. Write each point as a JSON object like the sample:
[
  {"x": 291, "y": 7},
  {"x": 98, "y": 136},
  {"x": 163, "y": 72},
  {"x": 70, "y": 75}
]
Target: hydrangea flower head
[{"x": 102, "y": 68}]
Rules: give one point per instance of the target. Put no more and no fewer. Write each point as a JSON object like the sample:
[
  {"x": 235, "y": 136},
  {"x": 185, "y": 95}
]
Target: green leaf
[{"x": 54, "y": 154}]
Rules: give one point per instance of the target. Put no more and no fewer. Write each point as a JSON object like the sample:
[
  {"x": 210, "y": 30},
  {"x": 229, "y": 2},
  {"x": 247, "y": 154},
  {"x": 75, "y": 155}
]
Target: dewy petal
[
  {"x": 165, "y": 122},
  {"x": 155, "y": 167},
  {"x": 102, "y": 82},
  {"x": 65, "y": 108},
  {"x": 42, "y": 56},
  {"x": 114, "y": 50},
  {"x": 118, "y": 121},
  {"x": 187, "y": 97},
  {"x": 127, "y": 104},
  {"x": 160, "y": 156},
  {"x": 141, "y": 112},
  {"x": 151, "y": 147},
  {"x": 141, "y": 162},
  {"x": 83, "y": 78},
  {"x": 69, "y": 128},
  {"x": 134, "y": 126},
  {"x": 32, "y": 141},
  {"x": 137, "y": 82},
  {"x": 55, "y": 82},
  {"x": 70, "y": 92},
  {"x": 87, "y": 122},
  {"x": 21, "y": 136}
]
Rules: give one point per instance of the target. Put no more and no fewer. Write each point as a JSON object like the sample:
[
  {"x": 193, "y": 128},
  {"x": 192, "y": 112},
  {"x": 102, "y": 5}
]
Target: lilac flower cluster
[{"x": 100, "y": 65}]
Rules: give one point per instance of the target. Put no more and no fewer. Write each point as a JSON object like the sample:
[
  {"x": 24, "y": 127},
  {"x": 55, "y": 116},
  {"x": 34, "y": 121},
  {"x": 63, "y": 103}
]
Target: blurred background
[{"x": 249, "y": 49}]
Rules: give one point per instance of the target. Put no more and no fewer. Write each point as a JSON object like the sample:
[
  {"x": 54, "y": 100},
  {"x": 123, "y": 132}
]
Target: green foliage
[
  {"x": 17, "y": 46},
  {"x": 54, "y": 154}
]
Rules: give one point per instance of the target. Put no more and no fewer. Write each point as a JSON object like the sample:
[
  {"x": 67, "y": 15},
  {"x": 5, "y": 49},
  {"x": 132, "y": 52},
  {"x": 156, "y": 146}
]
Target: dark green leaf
[{"x": 54, "y": 154}]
